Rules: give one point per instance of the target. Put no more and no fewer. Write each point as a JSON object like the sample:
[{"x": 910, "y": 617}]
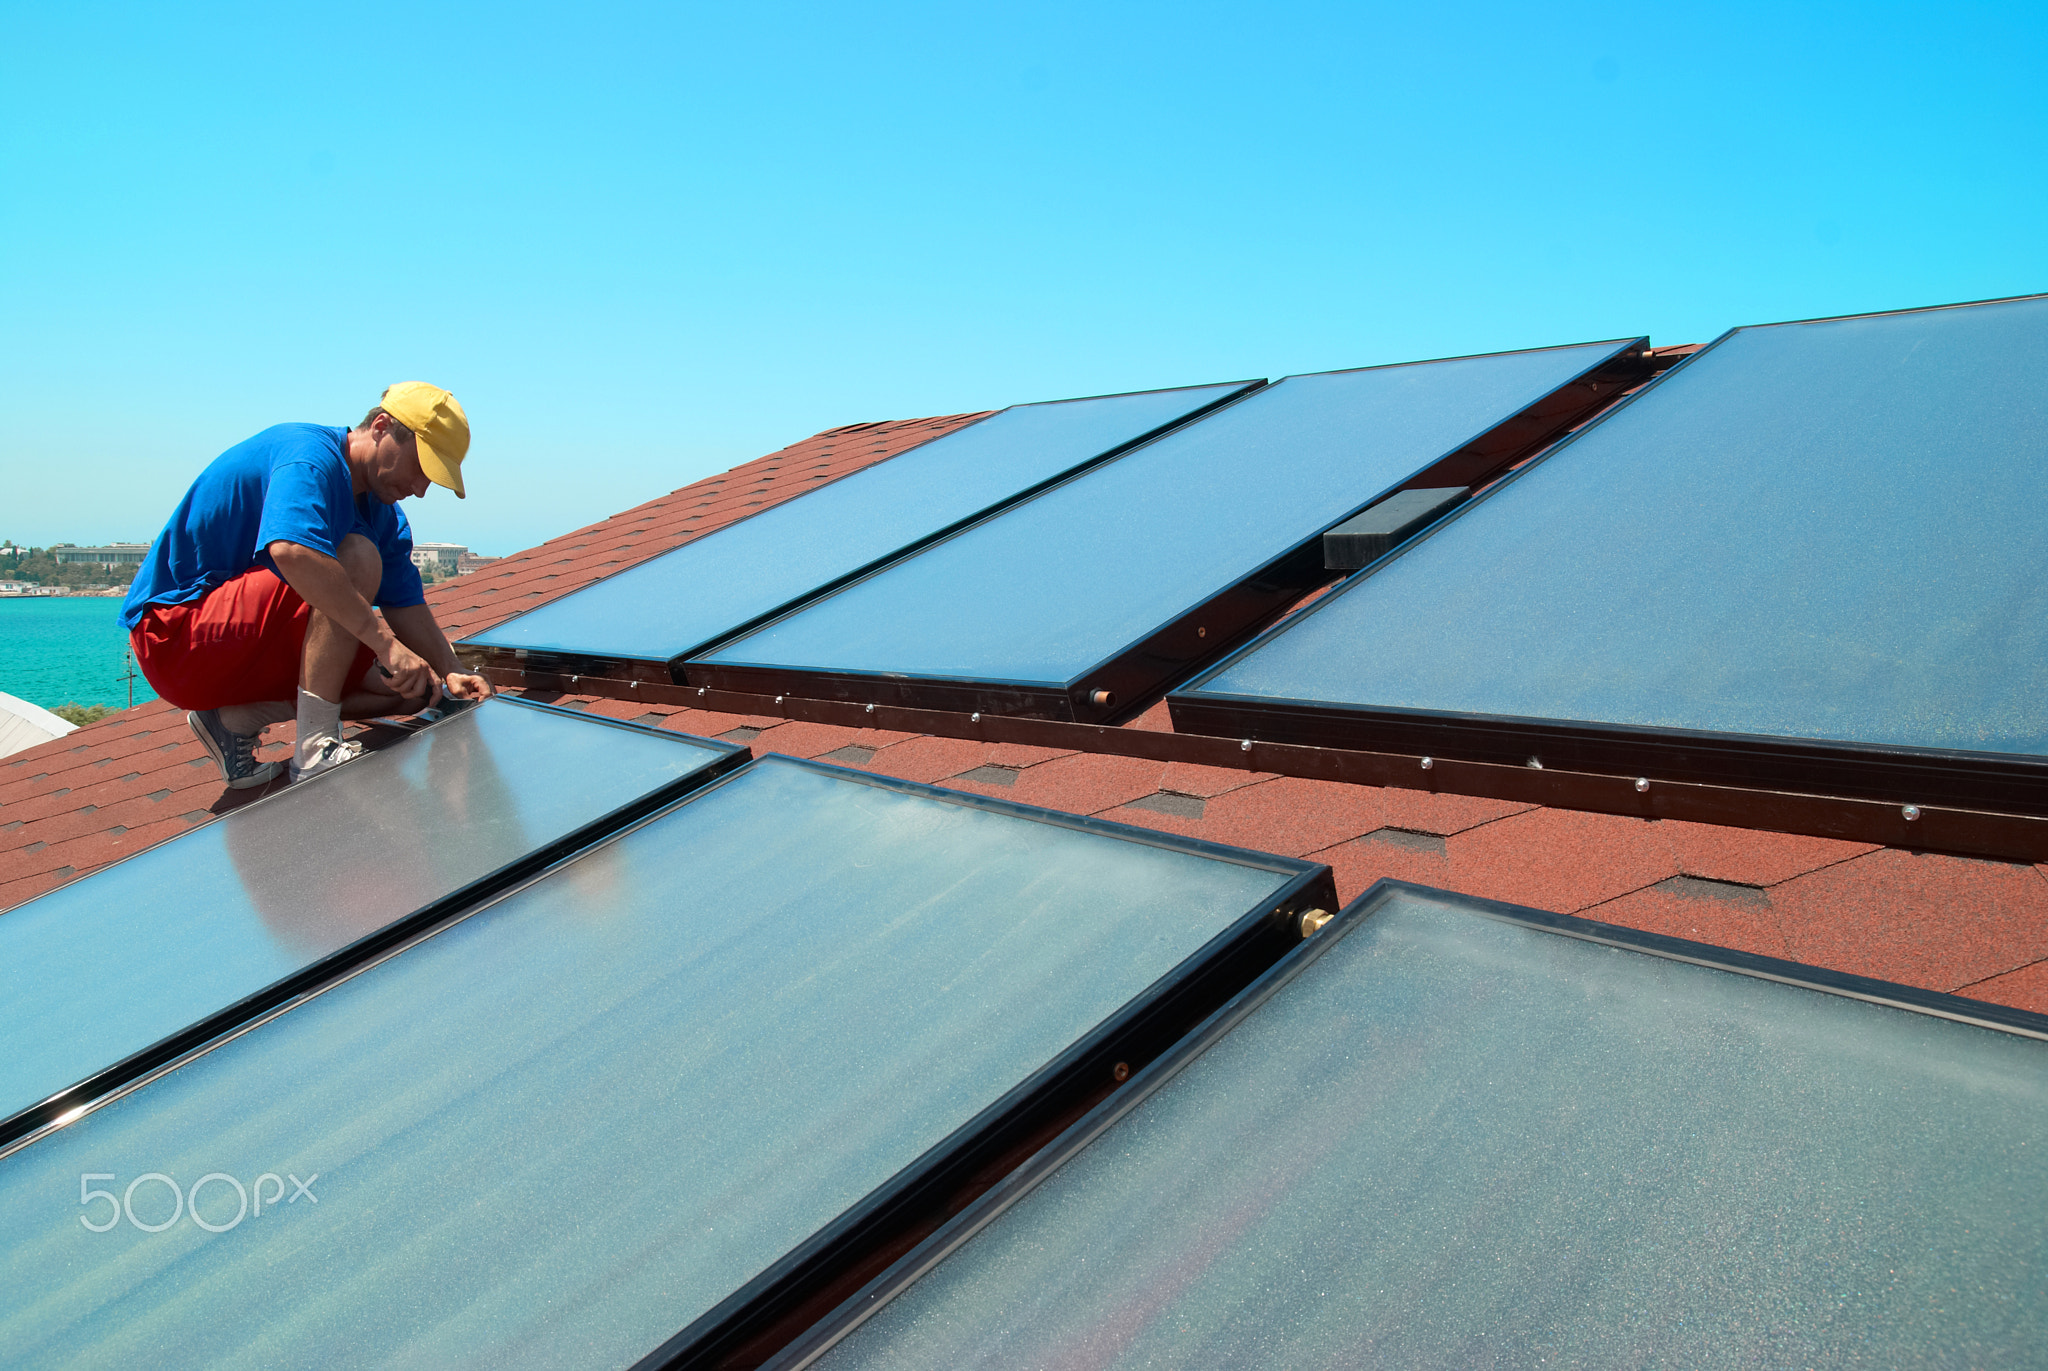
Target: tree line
[{"x": 38, "y": 566}]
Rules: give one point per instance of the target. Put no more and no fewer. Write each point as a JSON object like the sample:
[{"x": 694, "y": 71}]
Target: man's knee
[{"x": 364, "y": 564}]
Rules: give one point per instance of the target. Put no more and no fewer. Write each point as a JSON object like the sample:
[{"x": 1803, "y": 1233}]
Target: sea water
[{"x": 64, "y": 650}]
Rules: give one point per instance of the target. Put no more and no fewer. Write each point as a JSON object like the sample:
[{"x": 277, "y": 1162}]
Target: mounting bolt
[
  {"x": 1120, "y": 1073},
  {"x": 701, "y": 690},
  {"x": 1535, "y": 764},
  {"x": 1642, "y": 784},
  {"x": 1105, "y": 698},
  {"x": 1311, "y": 921},
  {"x": 871, "y": 709},
  {"x": 1201, "y": 633},
  {"x": 1428, "y": 762},
  {"x": 778, "y": 699},
  {"x": 1245, "y": 746},
  {"x": 632, "y": 685},
  {"x": 1911, "y": 812},
  {"x": 975, "y": 719},
  {"x": 574, "y": 679}
]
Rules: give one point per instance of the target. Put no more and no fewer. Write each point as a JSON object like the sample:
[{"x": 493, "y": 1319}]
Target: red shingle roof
[
  {"x": 72, "y": 805},
  {"x": 1946, "y": 923}
]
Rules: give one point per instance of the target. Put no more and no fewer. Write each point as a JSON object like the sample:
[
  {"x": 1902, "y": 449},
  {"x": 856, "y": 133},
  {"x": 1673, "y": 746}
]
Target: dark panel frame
[
  {"x": 1932, "y": 828},
  {"x": 669, "y": 670},
  {"x": 1145, "y": 1026},
  {"x": 727, "y": 757},
  {"x": 822, "y": 1336},
  {"x": 2001, "y": 782},
  {"x": 1907, "y": 776},
  {"x": 1136, "y": 676}
]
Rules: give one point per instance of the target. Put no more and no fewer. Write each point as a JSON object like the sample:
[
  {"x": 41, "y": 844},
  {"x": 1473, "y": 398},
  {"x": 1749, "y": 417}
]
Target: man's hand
[
  {"x": 410, "y": 675},
  {"x": 415, "y": 627}
]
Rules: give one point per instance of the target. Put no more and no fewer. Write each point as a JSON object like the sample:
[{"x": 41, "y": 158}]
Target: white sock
[
  {"x": 250, "y": 720},
  {"x": 319, "y": 721}
]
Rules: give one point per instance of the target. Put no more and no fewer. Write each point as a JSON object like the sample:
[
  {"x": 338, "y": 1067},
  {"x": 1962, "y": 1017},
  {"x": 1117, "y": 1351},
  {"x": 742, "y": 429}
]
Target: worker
[{"x": 254, "y": 605}]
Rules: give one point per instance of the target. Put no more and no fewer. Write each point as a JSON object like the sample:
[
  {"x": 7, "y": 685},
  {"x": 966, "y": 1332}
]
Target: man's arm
[
  {"x": 417, "y": 629},
  {"x": 325, "y": 584}
]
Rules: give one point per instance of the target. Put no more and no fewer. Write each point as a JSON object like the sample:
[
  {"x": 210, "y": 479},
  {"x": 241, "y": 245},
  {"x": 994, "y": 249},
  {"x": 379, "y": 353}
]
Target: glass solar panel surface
[
  {"x": 1827, "y": 530},
  {"x": 104, "y": 967},
  {"x": 1060, "y": 583},
  {"x": 558, "y": 1131},
  {"x": 1453, "y": 1141},
  {"x": 710, "y": 586}
]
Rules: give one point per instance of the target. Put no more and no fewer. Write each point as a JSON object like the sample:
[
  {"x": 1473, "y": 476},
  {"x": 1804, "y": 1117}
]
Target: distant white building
[
  {"x": 444, "y": 558},
  {"x": 113, "y": 554},
  {"x": 447, "y": 559}
]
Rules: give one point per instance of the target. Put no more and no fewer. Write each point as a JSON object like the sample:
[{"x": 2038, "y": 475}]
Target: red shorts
[{"x": 239, "y": 644}]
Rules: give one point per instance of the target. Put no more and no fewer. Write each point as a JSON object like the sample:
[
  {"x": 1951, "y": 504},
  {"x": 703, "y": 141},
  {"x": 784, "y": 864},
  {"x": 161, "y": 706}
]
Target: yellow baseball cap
[{"x": 439, "y": 424}]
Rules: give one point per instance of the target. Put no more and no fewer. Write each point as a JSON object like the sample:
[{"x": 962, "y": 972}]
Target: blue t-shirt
[{"x": 289, "y": 483}]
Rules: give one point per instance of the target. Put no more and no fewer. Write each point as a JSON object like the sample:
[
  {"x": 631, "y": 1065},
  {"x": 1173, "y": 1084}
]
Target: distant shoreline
[{"x": 63, "y": 594}]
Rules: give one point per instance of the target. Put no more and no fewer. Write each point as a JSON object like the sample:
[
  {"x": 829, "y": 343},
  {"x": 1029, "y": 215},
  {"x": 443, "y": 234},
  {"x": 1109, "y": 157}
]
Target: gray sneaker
[
  {"x": 233, "y": 753},
  {"x": 332, "y": 754}
]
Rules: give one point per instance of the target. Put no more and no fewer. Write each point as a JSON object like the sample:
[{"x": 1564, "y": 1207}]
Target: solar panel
[
  {"x": 631, "y": 1095},
  {"x": 1083, "y": 601},
  {"x": 1444, "y": 1136},
  {"x": 1808, "y": 558},
  {"x": 117, "y": 972},
  {"x": 730, "y": 579}
]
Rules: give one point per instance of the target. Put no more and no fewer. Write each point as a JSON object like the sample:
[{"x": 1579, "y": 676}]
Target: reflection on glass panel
[
  {"x": 713, "y": 585},
  {"x": 1050, "y": 589},
  {"x": 108, "y": 965},
  {"x": 1453, "y": 1141},
  {"x": 1832, "y": 530},
  {"x": 558, "y": 1131}
]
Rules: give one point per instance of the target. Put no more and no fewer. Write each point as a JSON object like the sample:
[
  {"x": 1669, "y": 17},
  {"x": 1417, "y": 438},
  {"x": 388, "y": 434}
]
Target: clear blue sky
[{"x": 645, "y": 242}]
